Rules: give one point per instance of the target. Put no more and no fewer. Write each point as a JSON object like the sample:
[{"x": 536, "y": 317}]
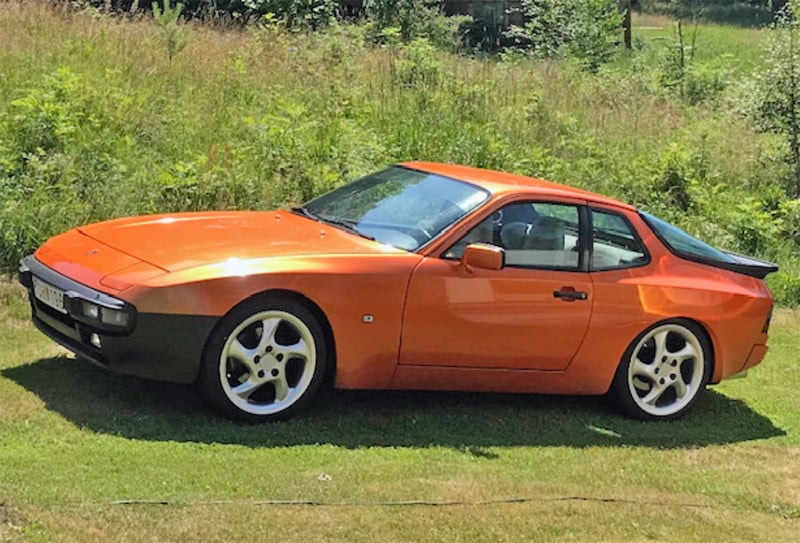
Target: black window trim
[{"x": 636, "y": 236}]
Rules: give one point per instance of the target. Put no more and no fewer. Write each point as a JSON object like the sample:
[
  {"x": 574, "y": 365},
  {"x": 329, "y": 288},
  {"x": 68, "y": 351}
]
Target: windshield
[
  {"x": 398, "y": 206},
  {"x": 683, "y": 244}
]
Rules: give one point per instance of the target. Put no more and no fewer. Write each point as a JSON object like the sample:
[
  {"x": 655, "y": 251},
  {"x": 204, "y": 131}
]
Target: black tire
[
  {"x": 663, "y": 371},
  {"x": 260, "y": 378}
]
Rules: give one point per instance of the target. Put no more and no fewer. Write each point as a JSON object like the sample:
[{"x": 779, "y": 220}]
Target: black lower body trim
[
  {"x": 161, "y": 347},
  {"x": 153, "y": 345}
]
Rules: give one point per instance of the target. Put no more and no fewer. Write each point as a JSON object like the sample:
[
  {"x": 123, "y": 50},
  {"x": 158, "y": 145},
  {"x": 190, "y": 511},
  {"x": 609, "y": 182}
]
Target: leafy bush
[
  {"x": 706, "y": 81},
  {"x": 41, "y": 121},
  {"x": 417, "y": 64},
  {"x": 755, "y": 228},
  {"x": 775, "y": 92},
  {"x": 407, "y": 20},
  {"x": 297, "y": 13},
  {"x": 789, "y": 213},
  {"x": 785, "y": 287},
  {"x": 691, "y": 80},
  {"x": 588, "y": 30}
]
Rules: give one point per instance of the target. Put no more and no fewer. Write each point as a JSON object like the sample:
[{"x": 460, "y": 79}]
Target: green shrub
[
  {"x": 588, "y": 30},
  {"x": 407, "y": 20},
  {"x": 756, "y": 229},
  {"x": 40, "y": 122},
  {"x": 706, "y": 81},
  {"x": 785, "y": 287},
  {"x": 789, "y": 214},
  {"x": 311, "y": 14},
  {"x": 775, "y": 93},
  {"x": 678, "y": 169},
  {"x": 417, "y": 64}
]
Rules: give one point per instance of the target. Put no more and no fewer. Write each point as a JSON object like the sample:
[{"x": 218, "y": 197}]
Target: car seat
[{"x": 545, "y": 234}]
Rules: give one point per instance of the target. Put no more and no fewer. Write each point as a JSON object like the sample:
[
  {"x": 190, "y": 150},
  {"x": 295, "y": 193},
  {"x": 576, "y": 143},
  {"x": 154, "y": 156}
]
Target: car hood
[{"x": 184, "y": 240}]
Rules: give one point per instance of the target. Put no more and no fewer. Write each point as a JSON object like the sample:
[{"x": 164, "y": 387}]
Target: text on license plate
[{"x": 49, "y": 295}]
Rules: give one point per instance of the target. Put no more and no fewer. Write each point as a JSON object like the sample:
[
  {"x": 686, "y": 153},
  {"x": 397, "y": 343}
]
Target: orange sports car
[{"x": 421, "y": 276}]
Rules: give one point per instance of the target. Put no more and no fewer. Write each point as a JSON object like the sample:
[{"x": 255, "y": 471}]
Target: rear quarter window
[
  {"x": 683, "y": 244},
  {"x": 615, "y": 244}
]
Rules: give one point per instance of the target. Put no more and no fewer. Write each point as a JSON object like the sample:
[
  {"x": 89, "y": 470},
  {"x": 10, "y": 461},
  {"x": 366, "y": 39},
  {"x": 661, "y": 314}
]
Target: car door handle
[{"x": 569, "y": 294}]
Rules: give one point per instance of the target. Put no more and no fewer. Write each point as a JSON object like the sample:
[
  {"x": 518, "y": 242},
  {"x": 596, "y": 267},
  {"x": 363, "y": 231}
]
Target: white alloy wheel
[
  {"x": 264, "y": 360},
  {"x": 663, "y": 371},
  {"x": 267, "y": 363}
]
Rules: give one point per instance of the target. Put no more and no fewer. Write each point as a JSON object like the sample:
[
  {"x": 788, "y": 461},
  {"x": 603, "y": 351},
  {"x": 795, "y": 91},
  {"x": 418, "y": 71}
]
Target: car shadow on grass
[{"x": 138, "y": 409}]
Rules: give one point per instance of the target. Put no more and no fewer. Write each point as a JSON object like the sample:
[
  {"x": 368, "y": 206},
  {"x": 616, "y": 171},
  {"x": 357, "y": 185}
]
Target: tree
[
  {"x": 174, "y": 36},
  {"x": 408, "y": 20},
  {"x": 584, "y": 29},
  {"x": 778, "y": 7},
  {"x": 311, "y": 14},
  {"x": 625, "y": 7},
  {"x": 777, "y": 89}
]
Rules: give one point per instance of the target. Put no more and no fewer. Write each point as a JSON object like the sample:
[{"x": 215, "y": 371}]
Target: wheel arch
[
  {"x": 316, "y": 310},
  {"x": 701, "y": 327},
  {"x": 620, "y": 382},
  {"x": 709, "y": 337}
]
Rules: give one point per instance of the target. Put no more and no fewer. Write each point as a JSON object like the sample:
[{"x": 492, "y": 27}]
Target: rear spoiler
[{"x": 747, "y": 265}]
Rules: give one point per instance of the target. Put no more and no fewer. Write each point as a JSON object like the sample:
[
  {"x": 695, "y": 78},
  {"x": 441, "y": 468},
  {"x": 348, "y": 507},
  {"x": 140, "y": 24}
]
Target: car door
[{"x": 532, "y": 314}]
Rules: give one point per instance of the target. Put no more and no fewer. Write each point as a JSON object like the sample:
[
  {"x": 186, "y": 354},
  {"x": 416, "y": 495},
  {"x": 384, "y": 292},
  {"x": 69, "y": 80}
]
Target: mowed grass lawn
[{"x": 75, "y": 441}]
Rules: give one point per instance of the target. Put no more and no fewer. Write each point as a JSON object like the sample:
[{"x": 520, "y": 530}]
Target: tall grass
[{"x": 95, "y": 122}]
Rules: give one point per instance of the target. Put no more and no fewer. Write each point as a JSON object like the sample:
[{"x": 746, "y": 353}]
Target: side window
[
  {"x": 615, "y": 244},
  {"x": 533, "y": 234}
]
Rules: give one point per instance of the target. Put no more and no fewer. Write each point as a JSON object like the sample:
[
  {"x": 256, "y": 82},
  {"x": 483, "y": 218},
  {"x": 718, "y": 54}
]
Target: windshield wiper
[
  {"x": 347, "y": 224},
  {"x": 302, "y": 210}
]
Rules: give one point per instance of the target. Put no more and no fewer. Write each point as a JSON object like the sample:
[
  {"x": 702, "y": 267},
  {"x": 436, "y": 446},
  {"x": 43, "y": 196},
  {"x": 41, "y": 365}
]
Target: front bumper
[{"x": 153, "y": 346}]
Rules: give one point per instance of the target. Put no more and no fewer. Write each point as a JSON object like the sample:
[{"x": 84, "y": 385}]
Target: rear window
[{"x": 682, "y": 244}]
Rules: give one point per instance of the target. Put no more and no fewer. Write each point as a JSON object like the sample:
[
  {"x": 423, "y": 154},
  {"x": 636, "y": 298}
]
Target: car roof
[{"x": 502, "y": 182}]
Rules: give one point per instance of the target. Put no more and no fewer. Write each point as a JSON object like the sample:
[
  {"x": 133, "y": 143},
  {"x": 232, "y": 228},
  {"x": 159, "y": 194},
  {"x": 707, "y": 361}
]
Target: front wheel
[
  {"x": 663, "y": 371},
  {"x": 264, "y": 361}
]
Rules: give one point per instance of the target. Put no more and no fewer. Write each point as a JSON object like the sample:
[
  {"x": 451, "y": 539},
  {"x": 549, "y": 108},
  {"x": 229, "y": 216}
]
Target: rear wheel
[
  {"x": 663, "y": 371},
  {"x": 265, "y": 360}
]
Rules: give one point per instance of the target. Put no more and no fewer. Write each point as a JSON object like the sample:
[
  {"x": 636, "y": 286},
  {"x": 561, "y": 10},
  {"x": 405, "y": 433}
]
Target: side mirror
[{"x": 484, "y": 256}]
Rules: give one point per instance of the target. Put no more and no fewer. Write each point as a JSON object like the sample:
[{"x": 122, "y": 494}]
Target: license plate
[{"x": 49, "y": 295}]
